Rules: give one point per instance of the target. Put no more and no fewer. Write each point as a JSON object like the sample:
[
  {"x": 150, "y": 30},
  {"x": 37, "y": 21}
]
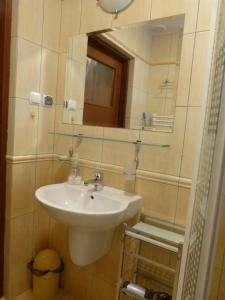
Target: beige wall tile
[
  {"x": 113, "y": 258},
  {"x": 70, "y": 22},
  {"x": 7, "y": 278},
  {"x": 19, "y": 279},
  {"x": 158, "y": 97},
  {"x": 160, "y": 9},
  {"x": 61, "y": 295},
  {"x": 61, "y": 78},
  {"x": 182, "y": 206},
  {"x": 62, "y": 144},
  {"x": 119, "y": 153},
  {"x": 164, "y": 48},
  {"x": 199, "y": 68},
  {"x": 13, "y": 66},
  {"x": 138, "y": 107},
  {"x": 45, "y": 142},
  {"x": 159, "y": 199},
  {"x": 22, "y": 135},
  {"x": 44, "y": 173},
  {"x": 49, "y": 69},
  {"x": 28, "y": 19},
  {"x": 21, "y": 232},
  {"x": 51, "y": 24},
  {"x": 75, "y": 80},
  {"x": 114, "y": 180},
  {"x": 11, "y": 126},
  {"x": 79, "y": 48},
  {"x": 8, "y": 203},
  {"x": 191, "y": 14},
  {"x": 134, "y": 13},
  {"x": 77, "y": 281},
  {"x": 190, "y": 142},
  {"x": 25, "y": 68},
  {"x": 93, "y": 18},
  {"x": 61, "y": 171},
  {"x": 88, "y": 149},
  {"x": 41, "y": 229},
  {"x": 101, "y": 290},
  {"x": 20, "y": 196},
  {"x": 205, "y": 13},
  {"x": 86, "y": 173},
  {"x": 164, "y": 160},
  {"x": 185, "y": 69},
  {"x": 59, "y": 238},
  {"x": 140, "y": 75}
]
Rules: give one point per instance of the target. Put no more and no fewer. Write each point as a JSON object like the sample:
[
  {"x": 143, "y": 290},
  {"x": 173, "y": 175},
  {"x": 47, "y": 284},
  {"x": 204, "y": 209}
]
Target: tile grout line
[{"x": 187, "y": 108}]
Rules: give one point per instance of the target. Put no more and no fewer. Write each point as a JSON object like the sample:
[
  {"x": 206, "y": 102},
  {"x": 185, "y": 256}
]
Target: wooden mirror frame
[{"x": 5, "y": 38}]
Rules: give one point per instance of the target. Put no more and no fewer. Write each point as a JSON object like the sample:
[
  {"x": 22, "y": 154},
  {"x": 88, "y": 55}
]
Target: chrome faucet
[{"x": 97, "y": 181}]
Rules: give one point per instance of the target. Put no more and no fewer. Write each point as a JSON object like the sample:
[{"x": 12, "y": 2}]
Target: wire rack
[{"x": 139, "y": 264}]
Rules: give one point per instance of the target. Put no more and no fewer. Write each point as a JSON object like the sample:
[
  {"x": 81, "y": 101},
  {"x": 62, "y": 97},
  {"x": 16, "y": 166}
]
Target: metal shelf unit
[{"x": 159, "y": 234}]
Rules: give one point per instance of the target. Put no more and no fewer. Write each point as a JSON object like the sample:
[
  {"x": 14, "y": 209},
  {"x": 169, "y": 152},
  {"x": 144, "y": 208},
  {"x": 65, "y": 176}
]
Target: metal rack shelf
[
  {"x": 106, "y": 139},
  {"x": 157, "y": 236},
  {"x": 157, "y": 233}
]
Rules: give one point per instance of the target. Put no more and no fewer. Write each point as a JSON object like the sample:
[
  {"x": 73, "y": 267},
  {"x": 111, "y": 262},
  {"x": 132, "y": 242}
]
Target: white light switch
[{"x": 35, "y": 98}]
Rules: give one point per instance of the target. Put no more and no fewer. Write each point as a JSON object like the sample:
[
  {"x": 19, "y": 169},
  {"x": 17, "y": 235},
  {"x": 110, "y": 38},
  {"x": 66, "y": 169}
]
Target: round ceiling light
[{"x": 114, "y": 6}]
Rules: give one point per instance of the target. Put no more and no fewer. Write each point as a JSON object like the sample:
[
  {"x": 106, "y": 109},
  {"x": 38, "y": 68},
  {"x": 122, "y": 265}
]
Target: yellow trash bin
[{"x": 46, "y": 269}]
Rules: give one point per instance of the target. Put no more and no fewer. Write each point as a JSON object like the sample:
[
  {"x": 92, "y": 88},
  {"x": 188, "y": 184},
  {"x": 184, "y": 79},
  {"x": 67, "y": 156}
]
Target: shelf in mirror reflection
[{"x": 106, "y": 139}]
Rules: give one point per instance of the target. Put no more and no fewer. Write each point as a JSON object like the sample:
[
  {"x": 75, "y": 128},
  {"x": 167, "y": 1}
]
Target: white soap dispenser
[{"x": 74, "y": 177}]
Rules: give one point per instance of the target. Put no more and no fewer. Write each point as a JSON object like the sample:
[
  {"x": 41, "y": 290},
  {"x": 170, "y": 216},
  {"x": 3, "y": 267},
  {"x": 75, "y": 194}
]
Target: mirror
[{"x": 126, "y": 77}]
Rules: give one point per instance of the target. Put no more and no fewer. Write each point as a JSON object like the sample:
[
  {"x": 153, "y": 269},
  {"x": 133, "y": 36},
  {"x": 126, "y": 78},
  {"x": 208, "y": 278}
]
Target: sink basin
[{"x": 91, "y": 216}]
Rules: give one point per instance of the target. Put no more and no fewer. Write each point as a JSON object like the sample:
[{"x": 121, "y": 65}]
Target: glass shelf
[{"x": 105, "y": 139}]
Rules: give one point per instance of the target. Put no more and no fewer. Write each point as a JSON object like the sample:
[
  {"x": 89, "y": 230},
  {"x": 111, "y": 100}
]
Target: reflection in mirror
[{"x": 125, "y": 78}]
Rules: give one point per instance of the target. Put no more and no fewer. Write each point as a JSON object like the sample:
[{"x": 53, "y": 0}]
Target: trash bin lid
[{"x": 47, "y": 259}]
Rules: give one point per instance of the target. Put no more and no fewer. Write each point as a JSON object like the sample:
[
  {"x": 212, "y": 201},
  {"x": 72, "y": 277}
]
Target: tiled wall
[
  {"x": 34, "y": 66},
  {"x": 38, "y": 60}
]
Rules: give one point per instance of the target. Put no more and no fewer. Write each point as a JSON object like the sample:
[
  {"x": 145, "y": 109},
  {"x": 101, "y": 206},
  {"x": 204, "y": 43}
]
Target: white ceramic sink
[{"x": 91, "y": 216}]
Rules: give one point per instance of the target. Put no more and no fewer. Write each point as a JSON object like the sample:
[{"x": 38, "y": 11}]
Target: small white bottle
[{"x": 74, "y": 177}]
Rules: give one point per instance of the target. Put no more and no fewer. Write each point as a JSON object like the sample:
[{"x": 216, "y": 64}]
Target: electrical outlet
[{"x": 47, "y": 100}]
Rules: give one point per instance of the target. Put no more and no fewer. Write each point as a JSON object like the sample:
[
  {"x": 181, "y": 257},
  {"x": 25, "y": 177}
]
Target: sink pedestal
[{"x": 88, "y": 246}]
